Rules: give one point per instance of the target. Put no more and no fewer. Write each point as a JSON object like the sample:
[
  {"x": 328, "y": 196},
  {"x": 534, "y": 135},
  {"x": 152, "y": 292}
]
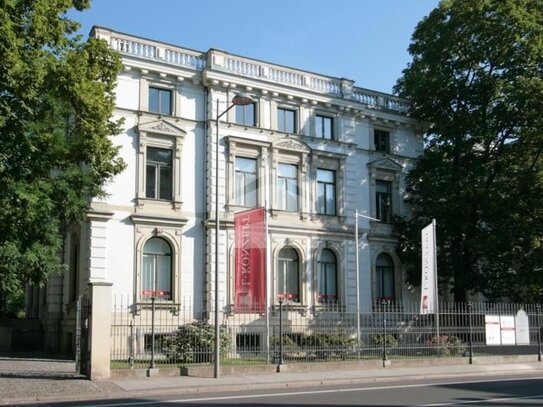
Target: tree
[
  {"x": 477, "y": 79},
  {"x": 56, "y": 103}
]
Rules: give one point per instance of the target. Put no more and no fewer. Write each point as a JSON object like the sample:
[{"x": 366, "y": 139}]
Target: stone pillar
[{"x": 100, "y": 330}]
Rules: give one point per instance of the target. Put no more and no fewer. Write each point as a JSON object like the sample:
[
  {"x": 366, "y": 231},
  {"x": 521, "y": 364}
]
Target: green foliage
[
  {"x": 288, "y": 343},
  {"x": 56, "y": 103},
  {"x": 321, "y": 345},
  {"x": 447, "y": 345},
  {"x": 195, "y": 343},
  {"x": 378, "y": 339},
  {"x": 476, "y": 79},
  {"x": 330, "y": 344}
]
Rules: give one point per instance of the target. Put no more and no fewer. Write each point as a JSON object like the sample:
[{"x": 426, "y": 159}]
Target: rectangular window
[
  {"x": 326, "y": 192},
  {"x": 324, "y": 127},
  {"x": 286, "y": 120},
  {"x": 381, "y": 139},
  {"x": 383, "y": 198},
  {"x": 158, "y": 176},
  {"x": 160, "y": 100},
  {"x": 245, "y": 114},
  {"x": 245, "y": 184},
  {"x": 287, "y": 187}
]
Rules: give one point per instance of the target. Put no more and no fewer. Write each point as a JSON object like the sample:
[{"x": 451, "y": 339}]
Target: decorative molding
[
  {"x": 290, "y": 144},
  {"x": 161, "y": 127},
  {"x": 385, "y": 164}
]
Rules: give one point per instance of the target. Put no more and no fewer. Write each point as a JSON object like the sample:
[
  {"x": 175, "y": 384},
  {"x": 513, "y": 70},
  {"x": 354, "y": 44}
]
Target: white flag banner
[{"x": 428, "y": 292}]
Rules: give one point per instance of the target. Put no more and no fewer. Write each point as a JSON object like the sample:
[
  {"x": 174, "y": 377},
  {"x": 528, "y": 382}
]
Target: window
[
  {"x": 158, "y": 174},
  {"x": 324, "y": 127},
  {"x": 383, "y": 201},
  {"x": 381, "y": 140},
  {"x": 287, "y": 187},
  {"x": 160, "y": 100},
  {"x": 245, "y": 114},
  {"x": 326, "y": 192},
  {"x": 286, "y": 120},
  {"x": 288, "y": 278},
  {"x": 327, "y": 282},
  {"x": 245, "y": 187},
  {"x": 384, "y": 273},
  {"x": 156, "y": 278}
]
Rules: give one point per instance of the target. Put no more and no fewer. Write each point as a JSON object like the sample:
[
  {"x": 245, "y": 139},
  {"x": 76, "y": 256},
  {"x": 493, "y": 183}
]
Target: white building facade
[{"x": 313, "y": 149}]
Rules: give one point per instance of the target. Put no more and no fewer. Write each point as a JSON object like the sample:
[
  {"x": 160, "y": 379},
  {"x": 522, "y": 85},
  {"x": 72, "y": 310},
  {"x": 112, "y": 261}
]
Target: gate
[{"x": 82, "y": 353}]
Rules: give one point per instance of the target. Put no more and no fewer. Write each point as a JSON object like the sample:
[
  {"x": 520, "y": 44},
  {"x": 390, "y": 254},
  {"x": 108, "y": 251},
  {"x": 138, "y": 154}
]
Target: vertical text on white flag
[{"x": 428, "y": 292}]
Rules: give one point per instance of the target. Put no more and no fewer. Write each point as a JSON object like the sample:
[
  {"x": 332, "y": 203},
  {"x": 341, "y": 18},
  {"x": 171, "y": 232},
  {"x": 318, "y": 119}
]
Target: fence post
[
  {"x": 280, "y": 332},
  {"x": 470, "y": 307},
  {"x": 538, "y": 310},
  {"x": 152, "y": 333}
]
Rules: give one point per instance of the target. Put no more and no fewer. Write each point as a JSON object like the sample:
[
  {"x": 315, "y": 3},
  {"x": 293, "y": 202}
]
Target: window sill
[
  {"x": 160, "y": 305},
  {"x": 157, "y": 204}
]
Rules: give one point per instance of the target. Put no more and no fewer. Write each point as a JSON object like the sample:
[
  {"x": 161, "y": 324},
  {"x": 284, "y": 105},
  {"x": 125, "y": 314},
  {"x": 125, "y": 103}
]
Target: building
[{"x": 312, "y": 148}]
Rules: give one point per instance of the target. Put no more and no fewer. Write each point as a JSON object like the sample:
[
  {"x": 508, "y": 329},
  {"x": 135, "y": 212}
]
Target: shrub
[
  {"x": 288, "y": 343},
  {"x": 378, "y": 339},
  {"x": 195, "y": 343},
  {"x": 330, "y": 344},
  {"x": 447, "y": 345}
]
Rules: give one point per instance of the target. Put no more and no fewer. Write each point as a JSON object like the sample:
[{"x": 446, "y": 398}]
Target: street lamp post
[{"x": 241, "y": 99}]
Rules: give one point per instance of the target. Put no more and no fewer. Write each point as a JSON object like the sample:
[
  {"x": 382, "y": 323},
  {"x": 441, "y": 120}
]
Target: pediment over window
[
  {"x": 292, "y": 145},
  {"x": 385, "y": 164},
  {"x": 161, "y": 127}
]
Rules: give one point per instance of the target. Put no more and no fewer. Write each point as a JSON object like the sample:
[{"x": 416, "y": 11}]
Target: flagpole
[
  {"x": 268, "y": 252},
  {"x": 436, "y": 296}
]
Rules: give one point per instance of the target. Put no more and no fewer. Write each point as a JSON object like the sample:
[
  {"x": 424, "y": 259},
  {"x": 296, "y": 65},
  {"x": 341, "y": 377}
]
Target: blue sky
[{"x": 362, "y": 40}]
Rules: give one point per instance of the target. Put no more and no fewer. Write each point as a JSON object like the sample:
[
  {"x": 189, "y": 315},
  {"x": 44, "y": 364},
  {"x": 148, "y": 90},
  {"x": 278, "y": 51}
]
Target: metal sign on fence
[
  {"x": 522, "y": 328},
  {"x": 492, "y": 330}
]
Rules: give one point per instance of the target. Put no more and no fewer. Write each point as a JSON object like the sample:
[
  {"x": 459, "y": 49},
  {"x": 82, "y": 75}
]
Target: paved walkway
[{"x": 24, "y": 380}]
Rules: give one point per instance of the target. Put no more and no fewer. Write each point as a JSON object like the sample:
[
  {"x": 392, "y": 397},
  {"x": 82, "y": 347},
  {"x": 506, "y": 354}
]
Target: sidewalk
[{"x": 57, "y": 384}]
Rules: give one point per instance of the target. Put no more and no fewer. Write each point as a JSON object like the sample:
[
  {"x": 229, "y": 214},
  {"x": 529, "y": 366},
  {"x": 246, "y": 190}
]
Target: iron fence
[{"x": 163, "y": 334}]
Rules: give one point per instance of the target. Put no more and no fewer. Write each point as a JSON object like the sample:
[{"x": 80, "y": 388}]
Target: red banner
[{"x": 250, "y": 261}]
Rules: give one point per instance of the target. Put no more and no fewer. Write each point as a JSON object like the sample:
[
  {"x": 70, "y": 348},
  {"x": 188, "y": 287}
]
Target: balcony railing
[{"x": 222, "y": 61}]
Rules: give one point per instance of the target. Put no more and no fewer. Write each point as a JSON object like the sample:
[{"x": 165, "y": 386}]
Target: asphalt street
[{"x": 525, "y": 390}]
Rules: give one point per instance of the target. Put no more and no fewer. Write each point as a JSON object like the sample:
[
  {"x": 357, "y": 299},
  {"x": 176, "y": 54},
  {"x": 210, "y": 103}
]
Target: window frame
[
  {"x": 159, "y": 90},
  {"x": 159, "y": 134},
  {"x": 282, "y": 187},
  {"x": 324, "y": 117},
  {"x": 320, "y": 278},
  {"x": 382, "y": 140},
  {"x": 238, "y": 109},
  {"x": 285, "y": 110},
  {"x": 283, "y": 261},
  {"x": 158, "y": 167},
  {"x": 379, "y": 278},
  {"x": 244, "y": 195},
  {"x": 384, "y": 216},
  {"x": 157, "y": 258},
  {"x": 170, "y": 230},
  {"x": 326, "y": 184}
]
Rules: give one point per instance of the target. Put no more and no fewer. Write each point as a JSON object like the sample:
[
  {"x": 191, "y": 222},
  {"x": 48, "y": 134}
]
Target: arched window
[
  {"x": 288, "y": 275},
  {"x": 327, "y": 279},
  {"x": 384, "y": 270},
  {"x": 156, "y": 278}
]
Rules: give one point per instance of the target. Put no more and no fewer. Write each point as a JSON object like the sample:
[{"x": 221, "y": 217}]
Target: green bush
[
  {"x": 447, "y": 345},
  {"x": 288, "y": 343},
  {"x": 330, "y": 344},
  {"x": 195, "y": 343},
  {"x": 378, "y": 339}
]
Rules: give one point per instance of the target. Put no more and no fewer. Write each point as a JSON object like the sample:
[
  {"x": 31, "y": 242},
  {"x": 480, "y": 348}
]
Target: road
[{"x": 473, "y": 391}]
